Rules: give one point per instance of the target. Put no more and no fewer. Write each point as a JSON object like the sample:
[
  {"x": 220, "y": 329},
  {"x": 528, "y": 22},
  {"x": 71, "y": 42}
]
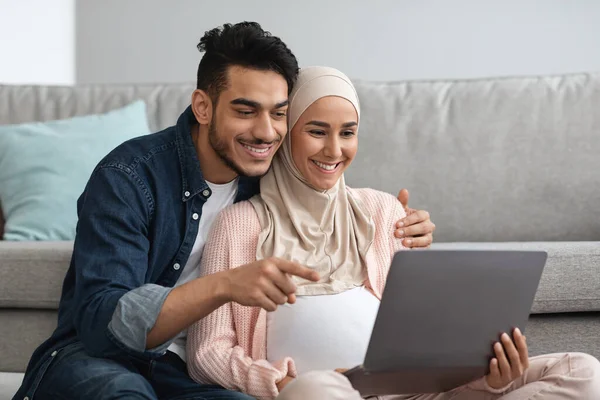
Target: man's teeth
[
  {"x": 254, "y": 149},
  {"x": 325, "y": 166}
]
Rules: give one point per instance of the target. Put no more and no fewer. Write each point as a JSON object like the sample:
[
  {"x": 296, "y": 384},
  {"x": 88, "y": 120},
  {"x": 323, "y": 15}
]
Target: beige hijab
[{"x": 329, "y": 231}]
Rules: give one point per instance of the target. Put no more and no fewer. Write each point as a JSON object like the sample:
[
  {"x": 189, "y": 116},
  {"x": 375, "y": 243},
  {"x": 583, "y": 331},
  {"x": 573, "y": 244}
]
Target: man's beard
[{"x": 220, "y": 148}]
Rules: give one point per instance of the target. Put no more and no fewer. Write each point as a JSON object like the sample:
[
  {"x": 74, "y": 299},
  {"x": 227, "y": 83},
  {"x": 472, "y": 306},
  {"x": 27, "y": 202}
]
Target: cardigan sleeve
[{"x": 214, "y": 354}]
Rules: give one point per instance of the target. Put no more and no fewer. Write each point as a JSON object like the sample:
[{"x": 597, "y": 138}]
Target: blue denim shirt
[{"x": 136, "y": 228}]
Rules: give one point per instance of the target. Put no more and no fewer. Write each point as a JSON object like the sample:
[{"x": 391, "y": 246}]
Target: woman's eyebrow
[
  {"x": 326, "y": 125},
  {"x": 319, "y": 123}
]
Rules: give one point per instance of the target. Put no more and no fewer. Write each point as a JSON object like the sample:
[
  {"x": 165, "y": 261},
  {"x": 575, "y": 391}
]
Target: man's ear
[{"x": 202, "y": 107}]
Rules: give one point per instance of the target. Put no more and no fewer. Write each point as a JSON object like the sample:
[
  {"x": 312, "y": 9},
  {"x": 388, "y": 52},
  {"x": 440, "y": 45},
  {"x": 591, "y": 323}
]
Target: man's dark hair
[{"x": 244, "y": 44}]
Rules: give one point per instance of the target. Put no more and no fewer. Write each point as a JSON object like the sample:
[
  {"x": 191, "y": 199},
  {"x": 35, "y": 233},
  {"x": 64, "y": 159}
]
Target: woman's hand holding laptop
[{"x": 511, "y": 361}]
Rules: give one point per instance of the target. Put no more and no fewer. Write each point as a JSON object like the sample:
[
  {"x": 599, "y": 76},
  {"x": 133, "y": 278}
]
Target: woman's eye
[
  {"x": 348, "y": 133},
  {"x": 317, "y": 132}
]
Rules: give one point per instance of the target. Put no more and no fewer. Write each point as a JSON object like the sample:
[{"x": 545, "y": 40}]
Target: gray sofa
[{"x": 499, "y": 163}]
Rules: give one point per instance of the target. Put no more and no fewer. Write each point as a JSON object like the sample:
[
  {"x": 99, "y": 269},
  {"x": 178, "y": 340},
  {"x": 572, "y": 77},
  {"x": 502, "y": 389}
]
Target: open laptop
[{"x": 440, "y": 314}]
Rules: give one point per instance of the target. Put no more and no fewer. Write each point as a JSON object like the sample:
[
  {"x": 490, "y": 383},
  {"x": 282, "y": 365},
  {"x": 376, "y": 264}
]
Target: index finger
[
  {"x": 521, "y": 346},
  {"x": 293, "y": 268},
  {"x": 511, "y": 350}
]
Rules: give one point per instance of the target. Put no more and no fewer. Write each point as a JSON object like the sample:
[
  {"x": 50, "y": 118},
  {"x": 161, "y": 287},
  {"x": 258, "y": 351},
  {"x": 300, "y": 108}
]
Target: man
[{"x": 132, "y": 288}]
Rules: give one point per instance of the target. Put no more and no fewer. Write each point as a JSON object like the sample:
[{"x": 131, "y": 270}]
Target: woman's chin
[{"x": 324, "y": 185}]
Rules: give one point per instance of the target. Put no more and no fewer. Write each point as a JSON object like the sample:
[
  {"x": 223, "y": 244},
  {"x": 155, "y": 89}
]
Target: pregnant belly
[{"x": 323, "y": 332}]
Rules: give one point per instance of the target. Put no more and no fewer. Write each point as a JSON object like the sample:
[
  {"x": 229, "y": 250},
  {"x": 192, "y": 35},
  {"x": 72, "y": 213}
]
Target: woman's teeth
[
  {"x": 326, "y": 167},
  {"x": 254, "y": 149}
]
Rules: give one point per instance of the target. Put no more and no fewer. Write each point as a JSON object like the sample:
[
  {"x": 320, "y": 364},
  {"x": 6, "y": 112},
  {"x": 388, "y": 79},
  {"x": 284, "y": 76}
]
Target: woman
[{"x": 307, "y": 214}]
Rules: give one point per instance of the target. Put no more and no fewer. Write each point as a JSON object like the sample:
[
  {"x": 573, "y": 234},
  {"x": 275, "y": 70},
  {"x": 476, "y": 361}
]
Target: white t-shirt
[
  {"x": 221, "y": 197},
  {"x": 323, "y": 332}
]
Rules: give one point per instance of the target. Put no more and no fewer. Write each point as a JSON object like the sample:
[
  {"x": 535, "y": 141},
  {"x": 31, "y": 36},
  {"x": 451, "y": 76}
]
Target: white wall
[
  {"x": 37, "y": 41},
  {"x": 67, "y": 41},
  {"x": 154, "y": 40}
]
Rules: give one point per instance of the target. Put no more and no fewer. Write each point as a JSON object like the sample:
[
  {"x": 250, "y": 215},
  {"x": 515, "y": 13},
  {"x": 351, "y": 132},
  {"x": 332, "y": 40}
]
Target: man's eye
[
  {"x": 245, "y": 112},
  {"x": 281, "y": 113}
]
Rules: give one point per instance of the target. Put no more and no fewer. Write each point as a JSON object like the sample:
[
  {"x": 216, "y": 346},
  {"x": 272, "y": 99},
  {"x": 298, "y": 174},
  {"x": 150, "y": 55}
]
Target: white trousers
[{"x": 552, "y": 377}]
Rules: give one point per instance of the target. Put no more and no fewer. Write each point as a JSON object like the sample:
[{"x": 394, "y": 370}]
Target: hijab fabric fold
[{"x": 329, "y": 231}]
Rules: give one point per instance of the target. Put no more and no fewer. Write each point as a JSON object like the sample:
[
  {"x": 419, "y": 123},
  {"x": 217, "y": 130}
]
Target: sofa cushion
[
  {"x": 492, "y": 160},
  {"x": 571, "y": 278},
  {"x": 486, "y": 157},
  {"x": 1, "y": 223},
  {"x": 44, "y": 168},
  {"x": 570, "y": 282},
  {"x": 29, "y": 103},
  {"x": 21, "y": 331},
  {"x": 32, "y": 273},
  {"x": 571, "y": 332}
]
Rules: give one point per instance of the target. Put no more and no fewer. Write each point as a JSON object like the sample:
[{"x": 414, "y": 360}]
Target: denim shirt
[{"x": 138, "y": 220}]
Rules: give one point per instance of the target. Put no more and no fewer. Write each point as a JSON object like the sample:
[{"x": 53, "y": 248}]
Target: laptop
[{"x": 440, "y": 314}]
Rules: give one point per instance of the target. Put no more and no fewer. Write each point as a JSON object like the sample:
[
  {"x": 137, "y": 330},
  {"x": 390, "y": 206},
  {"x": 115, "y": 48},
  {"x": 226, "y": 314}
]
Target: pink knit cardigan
[{"x": 229, "y": 347}]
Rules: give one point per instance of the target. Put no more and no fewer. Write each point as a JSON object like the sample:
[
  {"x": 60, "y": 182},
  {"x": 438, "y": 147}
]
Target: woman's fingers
[
  {"x": 511, "y": 360},
  {"x": 514, "y": 358},
  {"x": 503, "y": 364},
  {"x": 494, "y": 378},
  {"x": 521, "y": 343},
  {"x": 494, "y": 369}
]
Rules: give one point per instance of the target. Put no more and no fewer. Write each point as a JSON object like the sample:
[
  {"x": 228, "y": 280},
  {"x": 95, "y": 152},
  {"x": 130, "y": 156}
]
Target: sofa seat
[{"x": 9, "y": 384}]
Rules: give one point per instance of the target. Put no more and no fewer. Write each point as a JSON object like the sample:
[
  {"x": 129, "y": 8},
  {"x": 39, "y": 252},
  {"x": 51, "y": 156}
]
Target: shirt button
[
  {"x": 186, "y": 194},
  {"x": 195, "y": 216},
  {"x": 176, "y": 266},
  {"x": 54, "y": 353},
  {"x": 206, "y": 193},
  {"x": 25, "y": 398}
]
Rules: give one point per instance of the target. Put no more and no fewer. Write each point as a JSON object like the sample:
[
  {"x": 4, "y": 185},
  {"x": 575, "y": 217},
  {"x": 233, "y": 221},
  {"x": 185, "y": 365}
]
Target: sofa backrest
[{"x": 491, "y": 159}]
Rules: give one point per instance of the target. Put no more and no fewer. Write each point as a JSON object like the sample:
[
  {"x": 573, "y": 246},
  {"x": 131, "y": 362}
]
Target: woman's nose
[{"x": 332, "y": 149}]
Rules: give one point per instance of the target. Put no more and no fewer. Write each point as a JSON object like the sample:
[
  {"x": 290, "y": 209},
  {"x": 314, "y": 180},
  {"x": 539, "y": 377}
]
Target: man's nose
[{"x": 264, "y": 130}]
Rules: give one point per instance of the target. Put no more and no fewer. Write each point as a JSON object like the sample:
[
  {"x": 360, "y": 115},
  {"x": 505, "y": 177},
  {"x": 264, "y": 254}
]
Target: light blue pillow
[{"x": 44, "y": 167}]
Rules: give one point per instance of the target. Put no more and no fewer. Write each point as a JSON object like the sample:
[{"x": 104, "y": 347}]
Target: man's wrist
[{"x": 221, "y": 287}]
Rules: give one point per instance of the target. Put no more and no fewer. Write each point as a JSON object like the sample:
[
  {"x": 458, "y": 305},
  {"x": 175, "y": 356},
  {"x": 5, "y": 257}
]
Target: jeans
[{"x": 74, "y": 374}]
